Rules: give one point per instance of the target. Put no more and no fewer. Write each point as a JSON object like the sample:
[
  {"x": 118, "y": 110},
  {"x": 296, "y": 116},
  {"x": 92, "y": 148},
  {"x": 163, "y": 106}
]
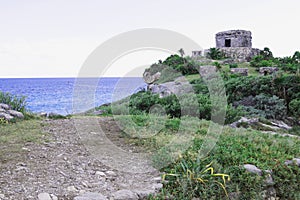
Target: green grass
[
  {"x": 234, "y": 148},
  {"x": 21, "y": 132},
  {"x": 192, "y": 77},
  {"x": 13, "y": 136}
]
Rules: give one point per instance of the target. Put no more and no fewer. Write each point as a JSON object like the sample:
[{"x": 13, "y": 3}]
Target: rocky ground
[{"x": 63, "y": 168}]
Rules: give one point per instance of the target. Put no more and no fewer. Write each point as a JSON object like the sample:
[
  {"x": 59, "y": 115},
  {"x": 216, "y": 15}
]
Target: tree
[
  {"x": 296, "y": 57},
  {"x": 181, "y": 51},
  {"x": 267, "y": 54}
]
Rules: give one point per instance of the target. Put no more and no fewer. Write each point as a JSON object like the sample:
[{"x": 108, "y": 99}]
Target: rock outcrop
[
  {"x": 8, "y": 114},
  {"x": 267, "y": 70},
  {"x": 179, "y": 86},
  {"x": 240, "y": 71},
  {"x": 149, "y": 79}
]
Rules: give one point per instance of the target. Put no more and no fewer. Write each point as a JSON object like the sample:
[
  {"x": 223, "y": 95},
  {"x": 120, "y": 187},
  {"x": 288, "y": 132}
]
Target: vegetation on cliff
[{"x": 272, "y": 97}]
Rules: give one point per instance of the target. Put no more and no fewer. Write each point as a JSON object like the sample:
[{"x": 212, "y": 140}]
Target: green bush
[
  {"x": 171, "y": 105},
  {"x": 287, "y": 179},
  {"x": 17, "y": 103},
  {"x": 215, "y": 54},
  {"x": 294, "y": 107},
  {"x": 258, "y": 61},
  {"x": 267, "y": 107},
  {"x": 233, "y": 114},
  {"x": 142, "y": 102},
  {"x": 233, "y": 65}
]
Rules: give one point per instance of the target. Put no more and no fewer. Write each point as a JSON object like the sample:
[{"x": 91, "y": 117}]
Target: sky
[{"x": 54, "y": 38}]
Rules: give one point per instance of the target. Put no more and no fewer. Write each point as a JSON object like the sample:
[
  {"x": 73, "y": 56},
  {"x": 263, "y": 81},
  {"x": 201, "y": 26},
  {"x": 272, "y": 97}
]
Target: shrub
[
  {"x": 267, "y": 107},
  {"x": 294, "y": 107},
  {"x": 233, "y": 65},
  {"x": 233, "y": 114},
  {"x": 259, "y": 61},
  {"x": 287, "y": 179},
  {"x": 218, "y": 65},
  {"x": 171, "y": 105},
  {"x": 215, "y": 54},
  {"x": 17, "y": 103},
  {"x": 142, "y": 102}
]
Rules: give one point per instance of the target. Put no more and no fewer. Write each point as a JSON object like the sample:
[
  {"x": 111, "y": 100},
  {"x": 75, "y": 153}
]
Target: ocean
[{"x": 57, "y": 95}]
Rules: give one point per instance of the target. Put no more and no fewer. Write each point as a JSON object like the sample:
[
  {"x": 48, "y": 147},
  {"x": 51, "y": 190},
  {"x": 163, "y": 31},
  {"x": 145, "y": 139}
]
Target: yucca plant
[{"x": 194, "y": 179}]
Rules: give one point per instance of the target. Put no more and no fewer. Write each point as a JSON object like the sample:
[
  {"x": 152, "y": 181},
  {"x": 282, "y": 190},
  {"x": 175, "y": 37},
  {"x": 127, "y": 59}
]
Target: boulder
[
  {"x": 125, "y": 195},
  {"x": 16, "y": 114},
  {"x": 253, "y": 169},
  {"x": 240, "y": 71},
  {"x": 280, "y": 124},
  {"x": 4, "y": 106},
  {"x": 206, "y": 71},
  {"x": 6, "y": 116},
  {"x": 91, "y": 196},
  {"x": 44, "y": 196},
  {"x": 294, "y": 161},
  {"x": 179, "y": 86},
  {"x": 244, "y": 120},
  {"x": 149, "y": 79}
]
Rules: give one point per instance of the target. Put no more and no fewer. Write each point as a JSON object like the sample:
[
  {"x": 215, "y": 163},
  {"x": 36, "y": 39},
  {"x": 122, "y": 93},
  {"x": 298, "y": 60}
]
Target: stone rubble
[
  {"x": 62, "y": 168},
  {"x": 8, "y": 114}
]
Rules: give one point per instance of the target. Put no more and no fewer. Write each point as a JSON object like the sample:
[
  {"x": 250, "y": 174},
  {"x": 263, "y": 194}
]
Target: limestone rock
[
  {"x": 16, "y": 114},
  {"x": 91, "y": 196},
  {"x": 240, "y": 71},
  {"x": 125, "y": 195},
  {"x": 294, "y": 161},
  {"x": 244, "y": 120},
  {"x": 149, "y": 79},
  {"x": 6, "y": 116},
  {"x": 178, "y": 87},
  {"x": 253, "y": 169},
  {"x": 44, "y": 196},
  {"x": 267, "y": 70},
  {"x": 280, "y": 124},
  {"x": 4, "y": 106},
  {"x": 71, "y": 189},
  {"x": 111, "y": 173},
  {"x": 206, "y": 71}
]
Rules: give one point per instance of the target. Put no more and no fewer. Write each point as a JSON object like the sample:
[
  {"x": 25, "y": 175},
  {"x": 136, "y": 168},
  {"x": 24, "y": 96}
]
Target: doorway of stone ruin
[{"x": 227, "y": 42}]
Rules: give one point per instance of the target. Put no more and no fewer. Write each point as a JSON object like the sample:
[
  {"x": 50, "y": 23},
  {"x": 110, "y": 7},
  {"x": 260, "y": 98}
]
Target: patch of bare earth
[{"x": 63, "y": 168}]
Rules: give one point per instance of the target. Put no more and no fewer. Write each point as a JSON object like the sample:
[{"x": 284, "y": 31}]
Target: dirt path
[{"x": 68, "y": 165}]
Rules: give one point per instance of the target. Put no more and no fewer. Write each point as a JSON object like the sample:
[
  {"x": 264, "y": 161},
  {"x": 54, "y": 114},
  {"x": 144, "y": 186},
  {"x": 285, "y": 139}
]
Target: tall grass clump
[{"x": 17, "y": 103}]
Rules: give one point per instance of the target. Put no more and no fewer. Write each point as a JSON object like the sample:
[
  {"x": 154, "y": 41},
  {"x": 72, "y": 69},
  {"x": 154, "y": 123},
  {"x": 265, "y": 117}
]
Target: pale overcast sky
[{"x": 54, "y": 38}]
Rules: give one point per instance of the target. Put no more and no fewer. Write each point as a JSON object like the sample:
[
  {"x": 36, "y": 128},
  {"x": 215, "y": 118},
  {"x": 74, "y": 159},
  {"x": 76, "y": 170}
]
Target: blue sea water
[{"x": 57, "y": 94}]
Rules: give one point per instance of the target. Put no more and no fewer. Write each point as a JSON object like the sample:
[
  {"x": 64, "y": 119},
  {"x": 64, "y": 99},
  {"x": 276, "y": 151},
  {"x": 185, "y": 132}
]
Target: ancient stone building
[
  {"x": 234, "y": 38},
  {"x": 236, "y": 44}
]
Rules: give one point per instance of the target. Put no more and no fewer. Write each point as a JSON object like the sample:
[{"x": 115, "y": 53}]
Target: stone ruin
[
  {"x": 267, "y": 70},
  {"x": 196, "y": 53},
  {"x": 234, "y": 38},
  {"x": 240, "y": 71},
  {"x": 236, "y": 44}
]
